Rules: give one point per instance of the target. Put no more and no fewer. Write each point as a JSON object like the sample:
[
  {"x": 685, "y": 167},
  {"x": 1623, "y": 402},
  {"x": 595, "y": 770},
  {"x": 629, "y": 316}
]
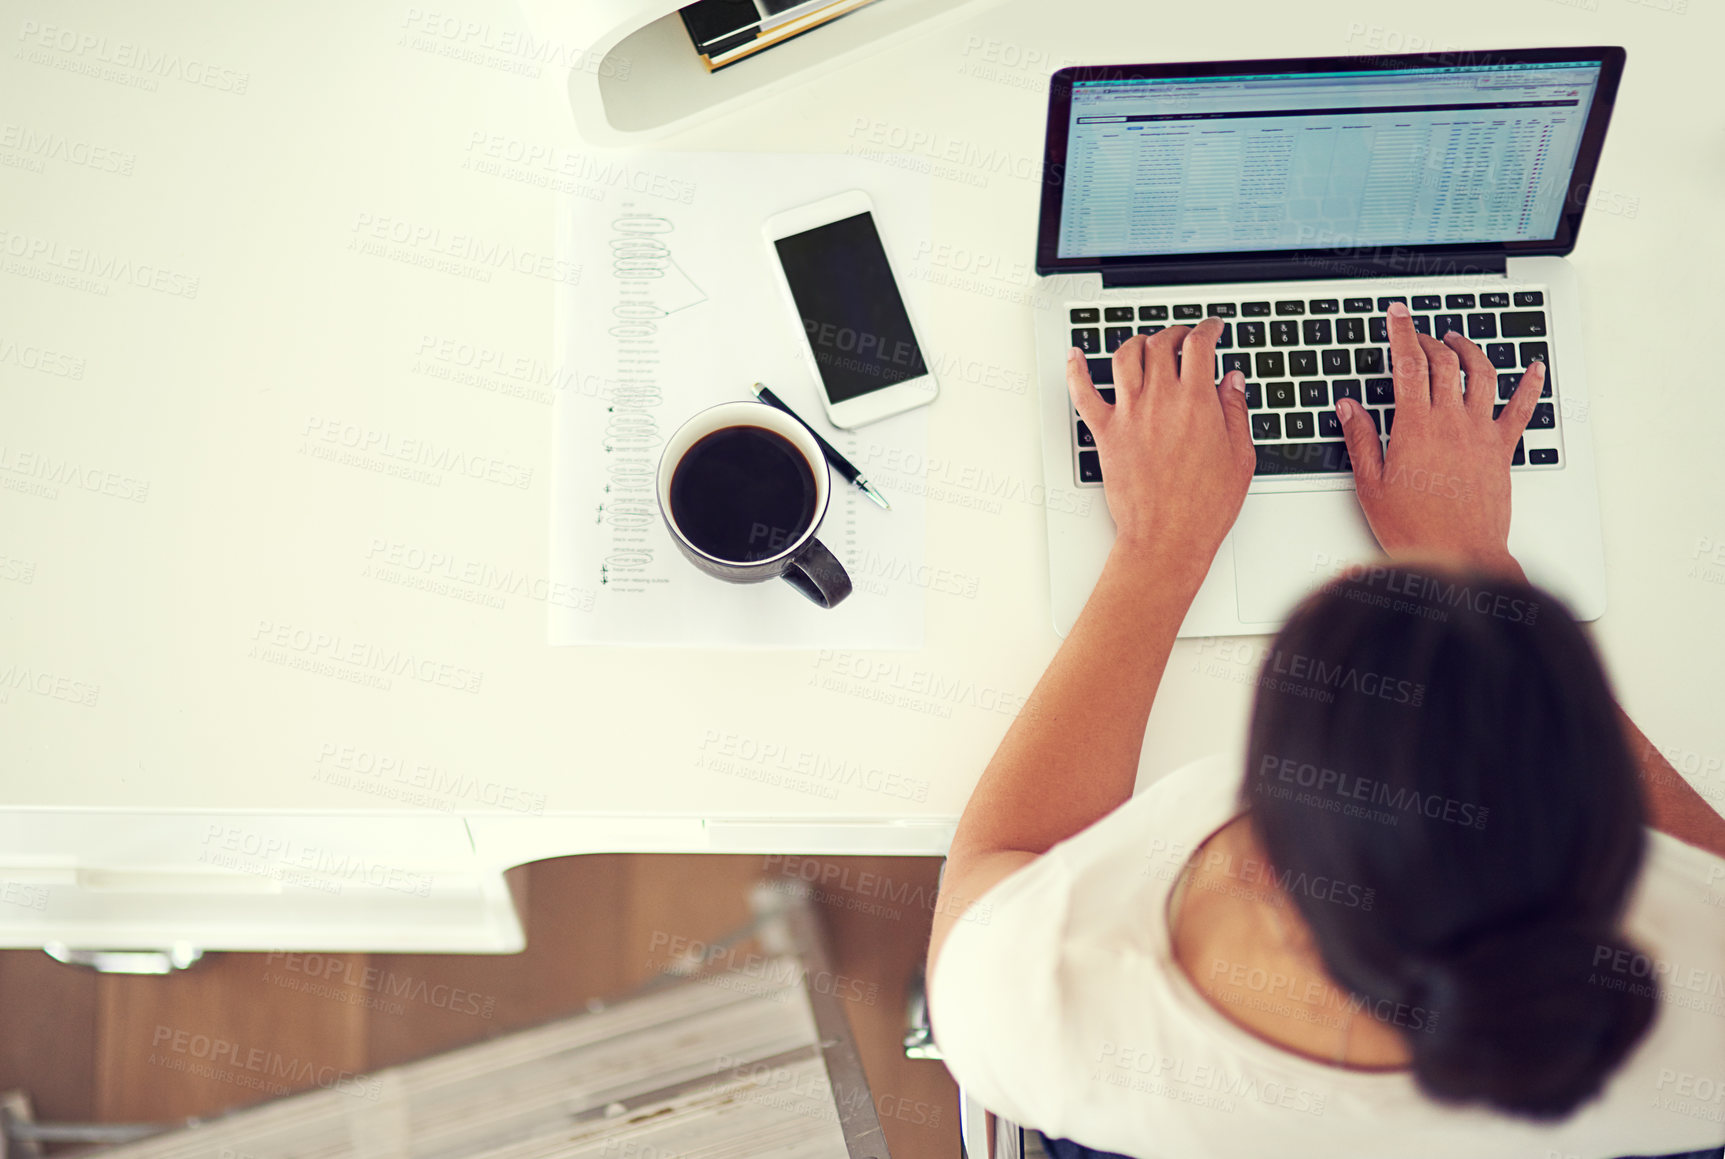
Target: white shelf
[{"x": 641, "y": 79}]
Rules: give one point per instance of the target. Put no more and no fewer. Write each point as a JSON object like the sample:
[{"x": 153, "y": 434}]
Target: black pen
[{"x": 842, "y": 464}]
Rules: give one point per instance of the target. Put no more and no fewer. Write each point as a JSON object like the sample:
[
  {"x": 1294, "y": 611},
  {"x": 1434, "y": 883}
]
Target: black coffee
[{"x": 743, "y": 494}]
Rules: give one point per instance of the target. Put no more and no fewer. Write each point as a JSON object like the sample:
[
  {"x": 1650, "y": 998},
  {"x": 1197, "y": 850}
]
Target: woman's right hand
[{"x": 1442, "y": 489}]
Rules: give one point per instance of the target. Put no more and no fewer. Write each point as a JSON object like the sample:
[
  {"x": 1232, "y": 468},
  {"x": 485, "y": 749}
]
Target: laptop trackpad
[{"x": 1286, "y": 545}]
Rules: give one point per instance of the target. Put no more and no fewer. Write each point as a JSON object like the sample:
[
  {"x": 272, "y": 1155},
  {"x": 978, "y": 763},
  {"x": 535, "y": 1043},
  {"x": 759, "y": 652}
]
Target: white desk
[{"x": 192, "y": 574}]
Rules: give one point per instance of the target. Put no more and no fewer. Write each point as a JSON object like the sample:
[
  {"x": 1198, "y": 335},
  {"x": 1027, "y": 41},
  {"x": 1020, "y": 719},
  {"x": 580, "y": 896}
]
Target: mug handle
[{"x": 818, "y": 574}]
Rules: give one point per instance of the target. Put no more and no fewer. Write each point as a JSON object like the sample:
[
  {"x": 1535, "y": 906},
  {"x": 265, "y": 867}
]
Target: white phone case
[{"x": 876, "y": 404}]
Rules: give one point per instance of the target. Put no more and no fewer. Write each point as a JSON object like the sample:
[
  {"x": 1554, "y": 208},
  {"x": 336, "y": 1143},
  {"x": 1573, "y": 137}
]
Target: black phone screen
[{"x": 852, "y": 315}]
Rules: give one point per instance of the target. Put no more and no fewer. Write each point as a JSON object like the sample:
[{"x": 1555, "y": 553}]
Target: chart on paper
[{"x": 679, "y": 311}]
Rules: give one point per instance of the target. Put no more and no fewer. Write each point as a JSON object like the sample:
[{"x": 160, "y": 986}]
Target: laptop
[{"x": 1296, "y": 199}]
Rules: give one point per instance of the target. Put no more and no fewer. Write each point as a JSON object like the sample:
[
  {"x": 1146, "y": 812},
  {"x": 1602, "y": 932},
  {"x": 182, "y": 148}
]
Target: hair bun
[{"x": 1531, "y": 1019}]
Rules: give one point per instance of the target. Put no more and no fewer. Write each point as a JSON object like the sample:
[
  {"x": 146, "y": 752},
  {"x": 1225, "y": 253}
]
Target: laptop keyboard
[{"x": 1300, "y": 355}]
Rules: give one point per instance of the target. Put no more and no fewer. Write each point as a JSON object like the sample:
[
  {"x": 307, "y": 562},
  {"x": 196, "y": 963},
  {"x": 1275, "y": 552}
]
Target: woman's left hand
[{"x": 1176, "y": 447}]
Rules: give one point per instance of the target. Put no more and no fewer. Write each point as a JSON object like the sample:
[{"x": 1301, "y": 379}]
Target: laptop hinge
[{"x": 1303, "y": 269}]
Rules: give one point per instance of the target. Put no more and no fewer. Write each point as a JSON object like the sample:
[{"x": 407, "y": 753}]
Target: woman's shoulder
[
  {"x": 1680, "y": 861},
  {"x": 1679, "y": 899},
  {"x": 1104, "y": 879},
  {"x": 1052, "y": 946},
  {"x": 1200, "y": 794},
  {"x": 1164, "y": 822}
]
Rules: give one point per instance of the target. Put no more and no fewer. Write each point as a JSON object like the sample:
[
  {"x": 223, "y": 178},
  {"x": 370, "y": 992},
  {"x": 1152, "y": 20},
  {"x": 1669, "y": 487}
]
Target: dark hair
[{"x": 1448, "y": 742}]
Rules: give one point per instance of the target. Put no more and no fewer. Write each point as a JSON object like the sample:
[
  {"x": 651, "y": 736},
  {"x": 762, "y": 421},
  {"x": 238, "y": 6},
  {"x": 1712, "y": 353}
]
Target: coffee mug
[{"x": 742, "y": 488}]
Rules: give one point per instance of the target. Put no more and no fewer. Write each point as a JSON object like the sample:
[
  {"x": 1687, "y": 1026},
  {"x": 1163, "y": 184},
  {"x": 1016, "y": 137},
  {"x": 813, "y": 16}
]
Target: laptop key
[
  {"x": 1525, "y": 324},
  {"x": 1324, "y": 305},
  {"x": 1251, "y": 333},
  {"x": 1444, "y": 323},
  {"x": 1117, "y": 314},
  {"x": 1529, "y": 298},
  {"x": 1542, "y": 456},
  {"x": 1544, "y": 418},
  {"x": 1291, "y": 307},
  {"x": 1350, "y": 330},
  {"x": 1240, "y": 362},
  {"x": 1368, "y": 360},
  {"x": 1115, "y": 337},
  {"x": 1316, "y": 332},
  {"x": 1149, "y": 330},
  {"x": 1494, "y": 301},
  {"x": 1101, "y": 371},
  {"x": 1315, "y": 393},
  {"x": 1255, "y": 309},
  {"x": 1501, "y": 354},
  {"x": 1327, "y": 458},
  {"x": 1380, "y": 391},
  {"x": 1254, "y": 396},
  {"x": 1357, "y": 305},
  {"x": 1085, "y": 438},
  {"x": 1329, "y": 426},
  {"x": 1300, "y": 425},
  {"x": 1269, "y": 363},
  {"x": 1384, "y": 303},
  {"x": 1337, "y": 361},
  {"x": 1506, "y": 384},
  {"x": 1152, "y": 313},
  {"x": 1422, "y": 323},
  {"x": 1520, "y": 456},
  {"x": 1107, "y": 393},
  {"x": 1380, "y": 328},
  {"x": 1284, "y": 333},
  {"x": 1089, "y": 467},
  {"x": 1389, "y": 419},
  {"x": 1089, "y": 341},
  {"x": 1302, "y": 362},
  {"x": 1188, "y": 312},
  {"x": 1532, "y": 352},
  {"x": 1226, "y": 337},
  {"x": 1221, "y": 309},
  {"x": 1266, "y": 426},
  {"x": 1082, "y": 314},
  {"x": 1482, "y": 326},
  {"x": 1346, "y": 388},
  {"x": 1427, "y": 302},
  {"x": 1279, "y": 394},
  {"x": 1458, "y": 301}
]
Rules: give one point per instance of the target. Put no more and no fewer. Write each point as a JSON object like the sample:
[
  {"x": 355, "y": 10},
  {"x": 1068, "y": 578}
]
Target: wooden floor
[{"x": 116, "y": 1049}]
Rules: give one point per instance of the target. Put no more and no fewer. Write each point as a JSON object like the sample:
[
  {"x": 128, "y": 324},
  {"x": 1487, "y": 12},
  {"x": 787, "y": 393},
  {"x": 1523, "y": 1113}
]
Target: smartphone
[{"x": 858, "y": 339}]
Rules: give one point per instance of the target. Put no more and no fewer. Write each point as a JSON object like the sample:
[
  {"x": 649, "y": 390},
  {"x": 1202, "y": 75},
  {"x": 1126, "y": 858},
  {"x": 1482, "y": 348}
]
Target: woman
[{"x": 1429, "y": 919}]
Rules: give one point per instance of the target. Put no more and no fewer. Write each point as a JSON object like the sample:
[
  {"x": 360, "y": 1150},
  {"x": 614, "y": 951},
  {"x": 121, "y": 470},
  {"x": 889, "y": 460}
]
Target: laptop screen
[{"x": 1301, "y": 161}]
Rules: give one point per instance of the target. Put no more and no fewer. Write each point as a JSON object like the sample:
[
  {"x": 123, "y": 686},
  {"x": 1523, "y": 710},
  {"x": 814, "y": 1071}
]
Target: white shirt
[{"x": 1058, "y": 1004}]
